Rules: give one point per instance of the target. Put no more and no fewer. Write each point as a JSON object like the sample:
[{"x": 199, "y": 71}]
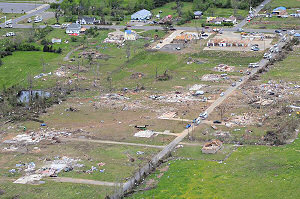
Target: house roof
[
  {"x": 74, "y": 26},
  {"x": 128, "y": 31},
  {"x": 87, "y": 19},
  {"x": 198, "y": 13},
  {"x": 297, "y": 35},
  {"x": 279, "y": 9},
  {"x": 142, "y": 14}
]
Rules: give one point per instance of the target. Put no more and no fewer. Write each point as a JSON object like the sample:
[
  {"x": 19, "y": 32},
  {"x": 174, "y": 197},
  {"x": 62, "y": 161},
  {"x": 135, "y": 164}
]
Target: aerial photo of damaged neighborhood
[{"x": 138, "y": 99}]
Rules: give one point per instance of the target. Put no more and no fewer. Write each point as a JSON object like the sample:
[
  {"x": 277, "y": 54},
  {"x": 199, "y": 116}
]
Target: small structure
[
  {"x": 83, "y": 20},
  {"x": 279, "y": 11},
  {"x": 141, "y": 15},
  {"x": 220, "y": 20},
  {"x": 38, "y": 19},
  {"x": 55, "y": 40},
  {"x": 212, "y": 147},
  {"x": 130, "y": 35},
  {"x": 166, "y": 20},
  {"x": 73, "y": 28},
  {"x": 231, "y": 19},
  {"x": 228, "y": 43},
  {"x": 198, "y": 14}
]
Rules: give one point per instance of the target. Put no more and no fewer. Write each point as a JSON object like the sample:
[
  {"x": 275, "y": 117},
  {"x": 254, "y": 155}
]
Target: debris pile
[
  {"x": 244, "y": 119},
  {"x": 93, "y": 54},
  {"x": 36, "y": 137},
  {"x": 211, "y": 77},
  {"x": 212, "y": 147},
  {"x": 50, "y": 169},
  {"x": 179, "y": 97},
  {"x": 224, "y": 68},
  {"x": 197, "y": 87}
]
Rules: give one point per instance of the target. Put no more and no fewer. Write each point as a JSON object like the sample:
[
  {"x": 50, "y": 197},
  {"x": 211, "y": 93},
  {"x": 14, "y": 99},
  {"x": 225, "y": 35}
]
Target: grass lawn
[
  {"x": 286, "y": 3},
  {"x": 286, "y": 70},
  {"x": 18, "y": 66},
  {"x": 275, "y": 23},
  {"x": 250, "y": 172}
]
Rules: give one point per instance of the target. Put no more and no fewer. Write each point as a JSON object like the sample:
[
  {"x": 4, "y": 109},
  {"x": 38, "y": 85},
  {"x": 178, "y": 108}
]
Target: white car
[
  {"x": 203, "y": 115},
  {"x": 10, "y": 34}
]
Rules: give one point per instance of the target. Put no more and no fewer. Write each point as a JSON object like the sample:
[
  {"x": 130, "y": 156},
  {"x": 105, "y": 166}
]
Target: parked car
[
  {"x": 56, "y": 25},
  {"x": 10, "y": 34},
  {"x": 233, "y": 84}
]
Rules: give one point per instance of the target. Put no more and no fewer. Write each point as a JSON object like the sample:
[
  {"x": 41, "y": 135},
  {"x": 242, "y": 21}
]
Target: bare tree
[
  {"x": 128, "y": 51},
  {"x": 222, "y": 110}
]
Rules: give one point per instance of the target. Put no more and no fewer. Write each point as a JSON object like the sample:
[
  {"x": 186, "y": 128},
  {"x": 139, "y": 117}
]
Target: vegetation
[{"x": 250, "y": 172}]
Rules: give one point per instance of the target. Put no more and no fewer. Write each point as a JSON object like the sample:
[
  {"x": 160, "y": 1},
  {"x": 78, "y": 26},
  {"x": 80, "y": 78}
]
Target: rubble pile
[
  {"x": 224, "y": 68},
  {"x": 118, "y": 101},
  {"x": 179, "y": 97},
  {"x": 50, "y": 169},
  {"x": 36, "y": 137},
  {"x": 93, "y": 54},
  {"x": 212, "y": 147},
  {"x": 211, "y": 77},
  {"x": 244, "y": 119}
]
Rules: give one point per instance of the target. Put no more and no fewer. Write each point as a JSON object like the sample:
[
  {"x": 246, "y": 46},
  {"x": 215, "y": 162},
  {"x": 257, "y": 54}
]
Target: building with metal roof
[{"x": 141, "y": 15}]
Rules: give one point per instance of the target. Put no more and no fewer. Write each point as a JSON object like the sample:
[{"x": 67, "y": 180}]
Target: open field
[
  {"x": 285, "y": 3},
  {"x": 250, "y": 172},
  {"x": 20, "y": 65},
  {"x": 275, "y": 23}
]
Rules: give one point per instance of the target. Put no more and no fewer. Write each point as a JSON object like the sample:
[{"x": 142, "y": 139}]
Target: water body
[{"x": 25, "y": 96}]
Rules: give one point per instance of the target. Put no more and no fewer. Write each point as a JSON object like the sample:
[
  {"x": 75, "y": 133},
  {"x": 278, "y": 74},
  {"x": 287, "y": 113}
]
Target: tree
[
  {"x": 57, "y": 15},
  {"x": 179, "y": 7}
]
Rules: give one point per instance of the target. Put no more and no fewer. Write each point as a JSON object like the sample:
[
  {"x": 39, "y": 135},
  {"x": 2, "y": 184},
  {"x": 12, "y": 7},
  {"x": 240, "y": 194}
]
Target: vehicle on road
[
  {"x": 233, "y": 84},
  {"x": 277, "y": 31},
  {"x": 8, "y": 26},
  {"x": 203, "y": 115},
  {"x": 56, "y": 25},
  {"x": 253, "y": 65}
]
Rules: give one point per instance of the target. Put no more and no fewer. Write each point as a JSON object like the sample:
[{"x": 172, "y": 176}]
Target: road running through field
[
  {"x": 111, "y": 142},
  {"x": 84, "y": 181}
]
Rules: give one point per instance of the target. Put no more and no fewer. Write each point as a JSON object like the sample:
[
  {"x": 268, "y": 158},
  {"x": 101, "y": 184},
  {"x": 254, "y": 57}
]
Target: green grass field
[
  {"x": 286, "y": 3},
  {"x": 17, "y": 67},
  {"x": 250, "y": 172}
]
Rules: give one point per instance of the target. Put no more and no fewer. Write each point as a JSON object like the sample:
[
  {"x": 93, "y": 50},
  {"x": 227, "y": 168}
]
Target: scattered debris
[
  {"x": 224, "y": 68},
  {"x": 210, "y": 77}
]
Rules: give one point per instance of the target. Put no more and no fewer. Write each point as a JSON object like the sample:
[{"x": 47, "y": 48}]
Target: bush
[
  {"x": 54, "y": 5},
  {"x": 74, "y": 39}
]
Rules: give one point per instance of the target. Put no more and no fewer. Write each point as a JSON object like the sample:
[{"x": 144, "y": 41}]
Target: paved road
[
  {"x": 84, "y": 181},
  {"x": 67, "y": 57},
  {"x": 31, "y": 13},
  {"x": 257, "y": 10},
  {"x": 111, "y": 142}
]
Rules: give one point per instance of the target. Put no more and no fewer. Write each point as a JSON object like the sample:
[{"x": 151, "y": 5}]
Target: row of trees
[{"x": 205, "y": 5}]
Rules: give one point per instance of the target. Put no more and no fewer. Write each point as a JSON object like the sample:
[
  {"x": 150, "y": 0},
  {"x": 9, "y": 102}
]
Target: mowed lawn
[
  {"x": 17, "y": 67},
  {"x": 285, "y": 3},
  {"x": 250, "y": 172}
]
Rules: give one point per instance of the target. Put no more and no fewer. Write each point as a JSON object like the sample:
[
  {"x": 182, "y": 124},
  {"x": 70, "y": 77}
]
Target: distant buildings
[
  {"x": 73, "y": 28},
  {"x": 141, "y": 15},
  {"x": 220, "y": 20}
]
